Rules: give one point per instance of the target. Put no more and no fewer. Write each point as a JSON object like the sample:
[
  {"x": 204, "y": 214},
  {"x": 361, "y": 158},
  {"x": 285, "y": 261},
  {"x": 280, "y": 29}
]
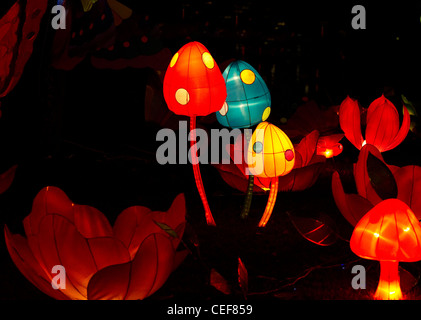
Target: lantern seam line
[
  {"x": 245, "y": 95},
  {"x": 273, "y": 148},
  {"x": 129, "y": 279},
  {"x": 378, "y": 238},
  {"x": 412, "y": 186},
  {"x": 188, "y": 74},
  {"x": 362, "y": 234},
  {"x": 58, "y": 254},
  {"x": 397, "y": 233},
  {"x": 225, "y": 80},
  {"x": 413, "y": 229},
  {"x": 280, "y": 140},
  {"x": 156, "y": 267},
  {"x": 377, "y": 129}
]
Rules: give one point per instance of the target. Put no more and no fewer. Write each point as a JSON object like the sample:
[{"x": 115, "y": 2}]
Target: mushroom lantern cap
[
  {"x": 270, "y": 152},
  {"x": 193, "y": 83},
  {"x": 388, "y": 232}
]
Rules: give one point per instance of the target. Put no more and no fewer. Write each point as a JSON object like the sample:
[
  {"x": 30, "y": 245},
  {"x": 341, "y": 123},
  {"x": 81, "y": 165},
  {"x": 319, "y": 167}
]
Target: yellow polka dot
[
  {"x": 247, "y": 76},
  {"x": 208, "y": 60},
  {"x": 266, "y": 114},
  {"x": 182, "y": 96},
  {"x": 174, "y": 60},
  {"x": 224, "y": 109}
]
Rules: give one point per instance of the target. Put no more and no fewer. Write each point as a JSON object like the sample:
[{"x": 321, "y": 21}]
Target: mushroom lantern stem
[
  {"x": 197, "y": 176},
  {"x": 271, "y": 202},
  {"x": 389, "y": 284}
]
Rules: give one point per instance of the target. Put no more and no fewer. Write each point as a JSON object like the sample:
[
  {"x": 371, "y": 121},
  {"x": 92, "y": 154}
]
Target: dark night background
[{"x": 84, "y": 130}]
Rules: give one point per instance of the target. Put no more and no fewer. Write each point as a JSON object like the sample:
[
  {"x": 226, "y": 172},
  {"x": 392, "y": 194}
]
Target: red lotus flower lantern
[
  {"x": 194, "y": 86},
  {"x": 129, "y": 261},
  {"x": 390, "y": 233},
  {"x": 382, "y": 129},
  {"x": 354, "y": 206}
]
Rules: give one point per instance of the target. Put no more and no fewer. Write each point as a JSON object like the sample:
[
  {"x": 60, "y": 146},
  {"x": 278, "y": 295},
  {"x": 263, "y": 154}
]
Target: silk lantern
[
  {"x": 390, "y": 233},
  {"x": 270, "y": 154},
  {"x": 248, "y": 103},
  {"x": 382, "y": 129},
  {"x": 129, "y": 261},
  {"x": 194, "y": 86}
]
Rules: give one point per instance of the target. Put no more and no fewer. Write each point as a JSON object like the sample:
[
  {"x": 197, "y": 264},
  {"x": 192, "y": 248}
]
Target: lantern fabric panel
[
  {"x": 248, "y": 98},
  {"x": 382, "y": 123},
  {"x": 267, "y": 152},
  {"x": 388, "y": 232},
  {"x": 193, "y": 84}
]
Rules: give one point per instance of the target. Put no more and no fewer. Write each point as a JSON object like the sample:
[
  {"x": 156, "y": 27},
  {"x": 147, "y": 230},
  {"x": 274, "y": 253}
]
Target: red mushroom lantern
[
  {"x": 390, "y": 233},
  {"x": 194, "y": 86}
]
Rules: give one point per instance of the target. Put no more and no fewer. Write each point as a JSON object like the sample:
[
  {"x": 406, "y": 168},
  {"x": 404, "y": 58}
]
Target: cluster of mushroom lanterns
[{"x": 194, "y": 86}]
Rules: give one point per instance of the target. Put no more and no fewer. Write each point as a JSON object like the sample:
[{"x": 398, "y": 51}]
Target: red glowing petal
[
  {"x": 27, "y": 264},
  {"x": 408, "y": 180},
  {"x": 139, "y": 278},
  {"x": 403, "y": 131},
  {"x": 382, "y": 123},
  {"x": 18, "y": 30},
  {"x": 362, "y": 179},
  {"x": 305, "y": 150},
  {"x": 349, "y": 119},
  {"x": 352, "y": 206},
  {"x": 6, "y": 179}
]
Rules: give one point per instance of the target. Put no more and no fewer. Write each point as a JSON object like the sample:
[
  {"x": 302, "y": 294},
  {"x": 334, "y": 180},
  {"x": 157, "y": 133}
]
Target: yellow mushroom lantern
[{"x": 270, "y": 154}]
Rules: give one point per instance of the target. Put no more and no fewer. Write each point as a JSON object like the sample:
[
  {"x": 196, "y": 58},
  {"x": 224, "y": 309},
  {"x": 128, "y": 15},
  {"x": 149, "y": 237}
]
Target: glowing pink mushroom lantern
[{"x": 194, "y": 86}]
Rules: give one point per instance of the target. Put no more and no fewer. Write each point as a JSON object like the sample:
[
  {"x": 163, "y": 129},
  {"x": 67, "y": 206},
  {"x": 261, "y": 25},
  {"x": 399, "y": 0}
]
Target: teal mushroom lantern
[{"x": 248, "y": 103}]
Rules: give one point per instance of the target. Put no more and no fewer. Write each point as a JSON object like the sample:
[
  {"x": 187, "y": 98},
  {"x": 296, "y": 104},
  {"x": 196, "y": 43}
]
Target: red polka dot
[
  {"x": 103, "y": 17},
  {"x": 91, "y": 26},
  {"x": 126, "y": 44},
  {"x": 144, "y": 39},
  {"x": 289, "y": 155},
  {"x": 81, "y": 32}
]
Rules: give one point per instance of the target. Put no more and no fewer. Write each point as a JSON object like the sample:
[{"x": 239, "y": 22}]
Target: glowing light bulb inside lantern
[
  {"x": 270, "y": 154},
  {"x": 248, "y": 103},
  {"x": 194, "y": 86}
]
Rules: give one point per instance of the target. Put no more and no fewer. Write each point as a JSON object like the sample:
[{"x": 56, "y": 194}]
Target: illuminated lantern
[
  {"x": 390, "y": 233},
  {"x": 354, "y": 206},
  {"x": 194, "y": 86},
  {"x": 248, "y": 99},
  {"x": 248, "y": 103},
  {"x": 307, "y": 168},
  {"x": 382, "y": 129},
  {"x": 129, "y": 261},
  {"x": 329, "y": 146},
  {"x": 270, "y": 154}
]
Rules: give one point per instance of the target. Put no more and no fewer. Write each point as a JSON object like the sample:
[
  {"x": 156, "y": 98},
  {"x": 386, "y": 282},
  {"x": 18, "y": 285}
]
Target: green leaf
[
  {"x": 409, "y": 105},
  {"x": 167, "y": 229},
  {"x": 381, "y": 178}
]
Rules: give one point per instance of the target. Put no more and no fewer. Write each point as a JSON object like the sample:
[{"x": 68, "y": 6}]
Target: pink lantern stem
[
  {"x": 196, "y": 170},
  {"x": 271, "y": 202}
]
